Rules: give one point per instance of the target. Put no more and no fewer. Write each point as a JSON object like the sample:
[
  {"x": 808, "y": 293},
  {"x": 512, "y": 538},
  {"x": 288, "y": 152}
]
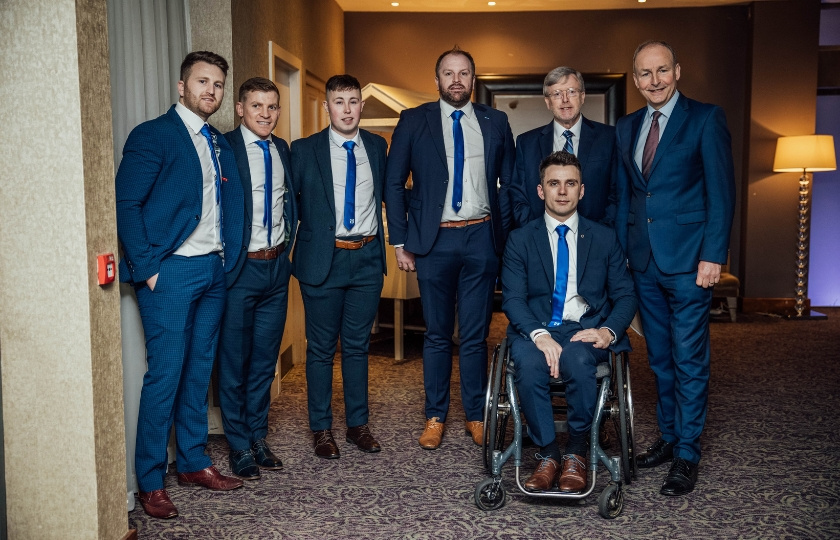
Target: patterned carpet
[{"x": 771, "y": 466}]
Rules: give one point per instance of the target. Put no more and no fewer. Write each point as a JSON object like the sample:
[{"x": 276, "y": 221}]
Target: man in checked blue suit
[
  {"x": 451, "y": 230},
  {"x": 258, "y": 285},
  {"x": 569, "y": 297},
  {"x": 676, "y": 190},
  {"x": 179, "y": 220},
  {"x": 339, "y": 259},
  {"x": 592, "y": 142}
]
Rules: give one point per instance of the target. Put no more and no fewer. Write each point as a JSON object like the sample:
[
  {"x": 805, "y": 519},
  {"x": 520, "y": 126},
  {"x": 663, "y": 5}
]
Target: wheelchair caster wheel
[
  {"x": 611, "y": 501},
  {"x": 489, "y": 494}
]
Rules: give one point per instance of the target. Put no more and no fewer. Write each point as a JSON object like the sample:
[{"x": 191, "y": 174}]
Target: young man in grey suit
[
  {"x": 258, "y": 286},
  {"x": 339, "y": 259},
  {"x": 592, "y": 142}
]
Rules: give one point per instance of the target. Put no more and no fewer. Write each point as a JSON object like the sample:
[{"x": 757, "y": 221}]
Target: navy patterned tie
[{"x": 568, "y": 146}]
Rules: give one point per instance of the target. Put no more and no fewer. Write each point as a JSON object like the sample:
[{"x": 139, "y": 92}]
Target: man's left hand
[
  {"x": 708, "y": 273},
  {"x": 599, "y": 338}
]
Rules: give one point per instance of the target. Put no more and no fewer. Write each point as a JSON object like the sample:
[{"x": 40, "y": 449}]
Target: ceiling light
[
  {"x": 491, "y": 3},
  {"x": 395, "y": 4}
]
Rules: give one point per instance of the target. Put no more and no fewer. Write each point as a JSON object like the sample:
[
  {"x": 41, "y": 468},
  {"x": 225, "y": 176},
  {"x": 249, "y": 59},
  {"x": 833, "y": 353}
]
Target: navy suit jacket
[
  {"x": 602, "y": 280},
  {"x": 289, "y": 204},
  {"x": 159, "y": 194},
  {"x": 312, "y": 171},
  {"x": 683, "y": 213},
  {"x": 417, "y": 147},
  {"x": 597, "y": 156}
]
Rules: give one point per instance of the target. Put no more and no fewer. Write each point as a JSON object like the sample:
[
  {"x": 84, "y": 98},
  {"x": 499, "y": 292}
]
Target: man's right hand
[
  {"x": 405, "y": 260},
  {"x": 551, "y": 349},
  {"x": 152, "y": 281}
]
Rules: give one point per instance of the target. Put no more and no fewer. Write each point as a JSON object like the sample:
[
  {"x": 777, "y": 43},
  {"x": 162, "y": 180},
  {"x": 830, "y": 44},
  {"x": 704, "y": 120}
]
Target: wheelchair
[{"x": 502, "y": 408}]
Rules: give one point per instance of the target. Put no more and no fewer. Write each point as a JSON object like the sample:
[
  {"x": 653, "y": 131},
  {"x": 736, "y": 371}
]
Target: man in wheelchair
[{"x": 569, "y": 298}]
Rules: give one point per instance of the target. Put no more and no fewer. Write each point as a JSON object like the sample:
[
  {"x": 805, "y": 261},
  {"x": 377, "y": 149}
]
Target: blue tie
[
  {"x": 458, "y": 136},
  {"x": 350, "y": 187},
  {"x": 561, "y": 277},
  {"x": 205, "y": 130},
  {"x": 268, "y": 188},
  {"x": 568, "y": 146}
]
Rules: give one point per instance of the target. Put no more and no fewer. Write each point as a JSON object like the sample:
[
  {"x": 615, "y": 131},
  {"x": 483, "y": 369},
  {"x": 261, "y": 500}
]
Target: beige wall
[{"x": 59, "y": 331}]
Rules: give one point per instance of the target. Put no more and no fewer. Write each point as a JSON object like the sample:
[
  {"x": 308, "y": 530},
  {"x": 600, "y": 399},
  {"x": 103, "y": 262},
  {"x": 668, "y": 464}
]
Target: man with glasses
[{"x": 591, "y": 142}]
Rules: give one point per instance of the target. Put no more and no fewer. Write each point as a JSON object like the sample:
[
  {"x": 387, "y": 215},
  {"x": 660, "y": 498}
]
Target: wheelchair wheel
[
  {"x": 495, "y": 419},
  {"x": 625, "y": 418},
  {"x": 611, "y": 501},
  {"x": 489, "y": 494}
]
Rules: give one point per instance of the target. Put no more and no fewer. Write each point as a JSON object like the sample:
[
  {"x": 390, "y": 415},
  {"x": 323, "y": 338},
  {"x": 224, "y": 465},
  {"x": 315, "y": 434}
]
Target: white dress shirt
[
  {"x": 206, "y": 237},
  {"x": 560, "y": 139},
  {"x": 256, "y": 163},
  {"x": 666, "y": 111},
  {"x": 474, "y": 199},
  {"x": 366, "y": 224}
]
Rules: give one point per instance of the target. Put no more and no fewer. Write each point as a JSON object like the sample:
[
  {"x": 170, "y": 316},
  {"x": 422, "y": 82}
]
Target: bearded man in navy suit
[
  {"x": 258, "y": 285},
  {"x": 569, "y": 297},
  {"x": 451, "y": 229},
  {"x": 676, "y": 190},
  {"x": 592, "y": 142},
  {"x": 179, "y": 221}
]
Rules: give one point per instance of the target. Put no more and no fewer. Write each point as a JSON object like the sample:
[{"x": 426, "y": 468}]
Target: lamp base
[{"x": 808, "y": 316}]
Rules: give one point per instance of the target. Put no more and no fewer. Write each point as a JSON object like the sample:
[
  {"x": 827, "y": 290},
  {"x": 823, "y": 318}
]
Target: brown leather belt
[
  {"x": 465, "y": 223},
  {"x": 267, "y": 254},
  {"x": 353, "y": 244}
]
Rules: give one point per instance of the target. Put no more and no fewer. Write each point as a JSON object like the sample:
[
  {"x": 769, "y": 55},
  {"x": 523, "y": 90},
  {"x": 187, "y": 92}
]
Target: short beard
[{"x": 447, "y": 96}]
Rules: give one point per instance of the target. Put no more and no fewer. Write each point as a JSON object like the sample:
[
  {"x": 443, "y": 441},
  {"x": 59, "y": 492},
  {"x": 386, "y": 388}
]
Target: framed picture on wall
[{"x": 521, "y": 97}]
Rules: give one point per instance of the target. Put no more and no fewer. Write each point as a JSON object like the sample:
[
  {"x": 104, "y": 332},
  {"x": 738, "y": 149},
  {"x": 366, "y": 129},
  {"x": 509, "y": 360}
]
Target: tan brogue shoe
[
  {"x": 432, "y": 434},
  {"x": 157, "y": 504},
  {"x": 475, "y": 429},
  {"x": 544, "y": 476},
  {"x": 573, "y": 477}
]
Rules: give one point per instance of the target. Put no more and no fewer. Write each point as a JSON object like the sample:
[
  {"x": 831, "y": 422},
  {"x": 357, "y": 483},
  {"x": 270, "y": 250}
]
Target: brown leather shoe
[
  {"x": 210, "y": 478},
  {"x": 475, "y": 429},
  {"x": 544, "y": 476},
  {"x": 361, "y": 437},
  {"x": 325, "y": 446},
  {"x": 573, "y": 477},
  {"x": 157, "y": 504},
  {"x": 432, "y": 434}
]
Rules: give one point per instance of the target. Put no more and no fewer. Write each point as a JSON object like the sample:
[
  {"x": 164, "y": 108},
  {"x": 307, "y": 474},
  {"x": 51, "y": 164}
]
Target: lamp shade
[{"x": 808, "y": 153}]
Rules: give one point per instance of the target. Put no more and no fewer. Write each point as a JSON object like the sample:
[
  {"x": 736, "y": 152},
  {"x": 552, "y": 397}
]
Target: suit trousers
[
  {"x": 461, "y": 269},
  {"x": 344, "y": 306},
  {"x": 675, "y": 318},
  {"x": 181, "y": 320},
  {"x": 578, "y": 363},
  {"x": 252, "y": 329}
]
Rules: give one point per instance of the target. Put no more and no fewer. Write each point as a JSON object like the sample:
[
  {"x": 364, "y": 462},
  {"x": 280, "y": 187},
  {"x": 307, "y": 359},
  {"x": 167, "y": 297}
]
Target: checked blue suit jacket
[
  {"x": 159, "y": 193},
  {"x": 597, "y": 155},
  {"x": 602, "y": 280},
  {"x": 289, "y": 204},
  {"x": 417, "y": 147}
]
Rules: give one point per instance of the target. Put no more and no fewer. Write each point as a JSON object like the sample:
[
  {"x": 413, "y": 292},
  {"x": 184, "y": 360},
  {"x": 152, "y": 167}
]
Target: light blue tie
[
  {"x": 568, "y": 146},
  {"x": 268, "y": 188},
  {"x": 350, "y": 187},
  {"x": 205, "y": 130},
  {"x": 458, "y": 136},
  {"x": 561, "y": 277}
]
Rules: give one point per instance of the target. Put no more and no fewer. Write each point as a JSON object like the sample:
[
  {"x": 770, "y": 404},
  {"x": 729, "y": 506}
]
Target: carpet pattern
[{"x": 770, "y": 468}]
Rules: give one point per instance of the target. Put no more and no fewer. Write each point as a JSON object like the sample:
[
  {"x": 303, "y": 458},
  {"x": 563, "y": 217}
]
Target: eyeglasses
[{"x": 570, "y": 93}]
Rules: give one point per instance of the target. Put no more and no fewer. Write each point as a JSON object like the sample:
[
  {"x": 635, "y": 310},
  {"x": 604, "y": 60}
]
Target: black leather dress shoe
[
  {"x": 264, "y": 457},
  {"x": 657, "y": 454},
  {"x": 361, "y": 437},
  {"x": 681, "y": 478},
  {"x": 242, "y": 465},
  {"x": 325, "y": 446}
]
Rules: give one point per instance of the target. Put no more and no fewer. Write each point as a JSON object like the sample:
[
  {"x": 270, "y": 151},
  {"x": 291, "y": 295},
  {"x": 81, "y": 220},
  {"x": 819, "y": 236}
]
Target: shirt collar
[
  {"x": 339, "y": 139},
  {"x": 192, "y": 120},
  {"x": 666, "y": 109},
  {"x": 571, "y": 223},
  {"x": 249, "y": 136},
  {"x": 448, "y": 109},
  {"x": 575, "y": 129}
]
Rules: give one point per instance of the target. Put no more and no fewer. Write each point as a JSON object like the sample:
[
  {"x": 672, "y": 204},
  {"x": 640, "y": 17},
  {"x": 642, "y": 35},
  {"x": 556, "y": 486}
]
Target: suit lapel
[
  {"x": 436, "y": 128},
  {"x": 633, "y": 138},
  {"x": 539, "y": 235},
  {"x": 184, "y": 132},
  {"x": 287, "y": 182},
  {"x": 584, "y": 241},
  {"x": 484, "y": 124},
  {"x": 322, "y": 156},
  {"x": 587, "y": 133},
  {"x": 547, "y": 140},
  {"x": 241, "y": 155}
]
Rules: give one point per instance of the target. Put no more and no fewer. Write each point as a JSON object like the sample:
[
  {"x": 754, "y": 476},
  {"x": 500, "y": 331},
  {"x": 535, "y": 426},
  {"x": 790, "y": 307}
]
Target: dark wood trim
[
  {"x": 130, "y": 535},
  {"x": 612, "y": 85},
  {"x": 779, "y": 306}
]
